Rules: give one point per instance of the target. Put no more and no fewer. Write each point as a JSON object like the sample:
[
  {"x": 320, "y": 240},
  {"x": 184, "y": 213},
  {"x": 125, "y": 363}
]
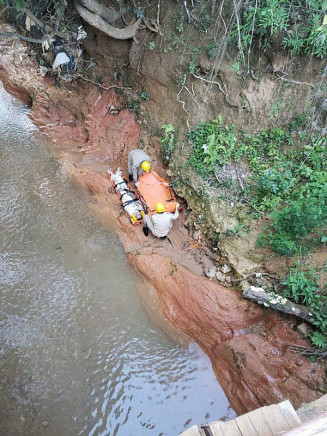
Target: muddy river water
[{"x": 78, "y": 354}]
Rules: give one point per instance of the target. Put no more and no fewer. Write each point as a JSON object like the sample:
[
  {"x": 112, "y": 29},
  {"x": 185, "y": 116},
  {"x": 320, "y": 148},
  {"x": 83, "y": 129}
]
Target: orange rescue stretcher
[{"x": 153, "y": 189}]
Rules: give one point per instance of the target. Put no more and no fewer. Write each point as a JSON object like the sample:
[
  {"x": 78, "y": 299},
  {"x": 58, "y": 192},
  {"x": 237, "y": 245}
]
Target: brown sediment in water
[{"x": 248, "y": 346}]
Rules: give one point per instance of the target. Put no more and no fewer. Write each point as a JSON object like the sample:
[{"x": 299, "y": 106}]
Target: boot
[
  {"x": 146, "y": 230},
  {"x": 130, "y": 178}
]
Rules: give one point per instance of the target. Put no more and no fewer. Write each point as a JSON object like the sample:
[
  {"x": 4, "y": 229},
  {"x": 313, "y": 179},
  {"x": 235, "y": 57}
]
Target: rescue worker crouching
[
  {"x": 160, "y": 223},
  {"x": 138, "y": 161}
]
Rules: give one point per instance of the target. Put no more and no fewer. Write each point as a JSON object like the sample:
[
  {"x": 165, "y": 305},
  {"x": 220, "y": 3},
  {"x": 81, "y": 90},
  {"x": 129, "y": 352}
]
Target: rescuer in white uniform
[{"x": 161, "y": 222}]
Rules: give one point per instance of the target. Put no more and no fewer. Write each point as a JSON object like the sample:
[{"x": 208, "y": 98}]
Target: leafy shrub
[
  {"x": 168, "y": 142},
  {"x": 319, "y": 339},
  {"x": 301, "y": 287},
  {"x": 213, "y": 144},
  {"x": 271, "y": 185},
  {"x": 283, "y": 244},
  {"x": 300, "y": 24},
  {"x": 300, "y": 218}
]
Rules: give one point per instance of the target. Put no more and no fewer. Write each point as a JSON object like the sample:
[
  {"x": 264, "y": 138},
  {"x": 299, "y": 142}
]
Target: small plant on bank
[
  {"x": 145, "y": 96},
  {"x": 302, "y": 288},
  {"x": 319, "y": 339},
  {"x": 213, "y": 144},
  {"x": 168, "y": 142}
]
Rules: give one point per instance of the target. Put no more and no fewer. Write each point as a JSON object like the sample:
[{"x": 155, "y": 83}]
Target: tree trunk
[
  {"x": 277, "y": 302},
  {"x": 110, "y": 15}
]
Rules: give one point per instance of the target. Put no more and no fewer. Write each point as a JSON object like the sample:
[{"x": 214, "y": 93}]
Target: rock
[
  {"x": 44, "y": 423},
  {"x": 245, "y": 285},
  {"x": 303, "y": 328},
  {"x": 241, "y": 253},
  {"x": 196, "y": 235},
  {"x": 278, "y": 62},
  {"x": 309, "y": 411},
  {"x": 210, "y": 272},
  {"x": 267, "y": 284},
  {"x": 186, "y": 297},
  {"x": 228, "y": 279},
  {"x": 226, "y": 269},
  {"x": 257, "y": 282},
  {"x": 220, "y": 276}
]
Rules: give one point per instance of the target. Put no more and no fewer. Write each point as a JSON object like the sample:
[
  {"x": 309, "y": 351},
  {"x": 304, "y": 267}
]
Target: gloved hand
[{"x": 137, "y": 184}]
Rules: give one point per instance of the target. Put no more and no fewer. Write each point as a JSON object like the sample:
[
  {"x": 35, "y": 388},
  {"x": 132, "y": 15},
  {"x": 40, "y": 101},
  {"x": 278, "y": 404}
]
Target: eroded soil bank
[{"x": 248, "y": 346}]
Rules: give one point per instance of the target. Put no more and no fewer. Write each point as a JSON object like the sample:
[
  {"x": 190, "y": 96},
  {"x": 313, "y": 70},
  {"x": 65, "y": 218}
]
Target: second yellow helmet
[
  {"x": 160, "y": 208},
  {"x": 145, "y": 165}
]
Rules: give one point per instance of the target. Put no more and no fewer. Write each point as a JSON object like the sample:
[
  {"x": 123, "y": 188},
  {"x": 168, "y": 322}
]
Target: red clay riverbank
[{"x": 248, "y": 346}]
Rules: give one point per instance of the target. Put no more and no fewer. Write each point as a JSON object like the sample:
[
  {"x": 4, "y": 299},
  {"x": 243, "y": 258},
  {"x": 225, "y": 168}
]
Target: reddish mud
[{"x": 248, "y": 346}]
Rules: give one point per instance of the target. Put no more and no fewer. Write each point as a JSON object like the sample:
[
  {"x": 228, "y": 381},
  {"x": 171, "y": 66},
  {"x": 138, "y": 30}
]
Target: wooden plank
[
  {"x": 275, "y": 418},
  {"x": 290, "y": 414},
  {"x": 192, "y": 431},
  {"x": 317, "y": 426},
  {"x": 215, "y": 428},
  {"x": 225, "y": 428},
  {"x": 259, "y": 422},
  {"x": 245, "y": 425}
]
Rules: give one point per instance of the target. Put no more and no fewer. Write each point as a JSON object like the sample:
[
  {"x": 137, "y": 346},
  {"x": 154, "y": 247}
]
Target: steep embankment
[{"x": 248, "y": 346}]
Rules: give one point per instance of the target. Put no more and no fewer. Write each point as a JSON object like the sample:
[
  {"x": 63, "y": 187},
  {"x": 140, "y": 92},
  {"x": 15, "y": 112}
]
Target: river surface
[{"x": 78, "y": 354}]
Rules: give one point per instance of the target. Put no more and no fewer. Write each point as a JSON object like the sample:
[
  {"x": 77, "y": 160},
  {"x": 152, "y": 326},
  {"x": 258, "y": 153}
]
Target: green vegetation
[
  {"x": 299, "y": 24},
  {"x": 287, "y": 177},
  {"x": 145, "y": 96},
  {"x": 168, "y": 142},
  {"x": 213, "y": 144},
  {"x": 301, "y": 287}
]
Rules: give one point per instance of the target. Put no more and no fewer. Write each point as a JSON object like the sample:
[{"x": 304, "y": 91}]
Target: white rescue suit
[
  {"x": 135, "y": 159},
  {"x": 161, "y": 223}
]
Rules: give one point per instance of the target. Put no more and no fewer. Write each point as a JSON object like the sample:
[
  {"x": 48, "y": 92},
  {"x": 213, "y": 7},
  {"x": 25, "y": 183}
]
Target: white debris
[
  {"x": 220, "y": 276},
  {"x": 61, "y": 59},
  {"x": 81, "y": 34},
  {"x": 226, "y": 269}
]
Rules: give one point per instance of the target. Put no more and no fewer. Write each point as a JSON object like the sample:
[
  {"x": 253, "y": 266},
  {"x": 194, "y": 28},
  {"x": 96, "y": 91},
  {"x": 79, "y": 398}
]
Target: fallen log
[{"x": 277, "y": 302}]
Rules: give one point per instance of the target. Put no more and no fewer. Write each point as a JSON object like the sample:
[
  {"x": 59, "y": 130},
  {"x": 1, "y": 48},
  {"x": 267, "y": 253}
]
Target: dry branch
[
  {"x": 15, "y": 35},
  {"x": 48, "y": 29},
  {"x": 105, "y": 88},
  {"x": 220, "y": 89},
  {"x": 294, "y": 81}
]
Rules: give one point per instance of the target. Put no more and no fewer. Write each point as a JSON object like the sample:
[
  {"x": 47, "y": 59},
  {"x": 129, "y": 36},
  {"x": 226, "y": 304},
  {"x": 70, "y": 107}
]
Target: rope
[{"x": 192, "y": 244}]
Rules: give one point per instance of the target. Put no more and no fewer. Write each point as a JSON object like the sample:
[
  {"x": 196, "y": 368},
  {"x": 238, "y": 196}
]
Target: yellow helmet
[
  {"x": 145, "y": 165},
  {"x": 160, "y": 208}
]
